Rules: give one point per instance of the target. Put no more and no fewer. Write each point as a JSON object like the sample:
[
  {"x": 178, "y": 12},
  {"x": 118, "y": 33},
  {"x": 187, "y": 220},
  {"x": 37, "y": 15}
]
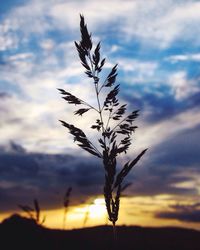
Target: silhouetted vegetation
[
  {"x": 25, "y": 234},
  {"x": 113, "y": 139},
  {"x": 34, "y": 212},
  {"x": 66, "y": 204}
]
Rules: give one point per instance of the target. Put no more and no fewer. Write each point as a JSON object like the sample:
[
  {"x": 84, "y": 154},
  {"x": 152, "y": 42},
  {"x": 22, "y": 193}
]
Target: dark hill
[{"x": 20, "y": 233}]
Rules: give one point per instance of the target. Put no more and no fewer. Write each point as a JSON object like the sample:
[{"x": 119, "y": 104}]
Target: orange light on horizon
[{"x": 133, "y": 211}]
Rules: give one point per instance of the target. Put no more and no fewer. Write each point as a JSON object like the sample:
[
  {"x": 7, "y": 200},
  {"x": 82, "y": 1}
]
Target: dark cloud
[
  {"x": 179, "y": 151},
  {"x": 149, "y": 185},
  {"x": 24, "y": 176},
  {"x": 159, "y": 100},
  {"x": 173, "y": 161},
  {"x": 12, "y": 147},
  {"x": 186, "y": 213},
  {"x": 4, "y": 95}
]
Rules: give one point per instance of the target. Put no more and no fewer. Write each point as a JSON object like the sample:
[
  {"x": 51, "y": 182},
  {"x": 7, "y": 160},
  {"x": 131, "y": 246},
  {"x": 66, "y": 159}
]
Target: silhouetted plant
[
  {"x": 34, "y": 212},
  {"x": 113, "y": 140},
  {"x": 87, "y": 213},
  {"x": 66, "y": 204}
]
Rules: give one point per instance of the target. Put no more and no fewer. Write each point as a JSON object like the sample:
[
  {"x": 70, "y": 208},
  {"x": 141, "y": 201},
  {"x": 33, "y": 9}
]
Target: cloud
[
  {"x": 182, "y": 87},
  {"x": 8, "y": 40},
  {"x": 184, "y": 57},
  {"x": 184, "y": 156},
  {"x": 171, "y": 164},
  {"x": 20, "y": 57},
  {"x": 137, "y": 71},
  {"x": 185, "y": 213},
  {"x": 162, "y": 23},
  {"x": 12, "y": 147},
  {"x": 45, "y": 59},
  {"x": 4, "y": 95},
  {"x": 25, "y": 176},
  {"x": 47, "y": 44},
  {"x": 38, "y": 56},
  {"x": 157, "y": 23}
]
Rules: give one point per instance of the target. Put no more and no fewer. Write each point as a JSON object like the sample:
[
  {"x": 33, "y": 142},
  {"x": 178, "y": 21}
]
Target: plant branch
[
  {"x": 95, "y": 148},
  {"x": 87, "y": 104},
  {"x": 98, "y": 101},
  {"x": 119, "y": 123}
]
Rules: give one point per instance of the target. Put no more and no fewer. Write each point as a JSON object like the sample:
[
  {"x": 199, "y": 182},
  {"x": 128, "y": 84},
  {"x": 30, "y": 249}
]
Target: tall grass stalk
[
  {"x": 66, "y": 202},
  {"x": 114, "y": 128}
]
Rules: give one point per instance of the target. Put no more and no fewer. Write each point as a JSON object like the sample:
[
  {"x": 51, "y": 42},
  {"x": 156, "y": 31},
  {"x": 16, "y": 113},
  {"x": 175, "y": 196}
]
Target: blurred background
[{"x": 157, "y": 47}]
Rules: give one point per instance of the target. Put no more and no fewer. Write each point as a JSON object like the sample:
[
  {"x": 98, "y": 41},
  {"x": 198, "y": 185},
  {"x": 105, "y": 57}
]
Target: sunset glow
[
  {"x": 133, "y": 211},
  {"x": 158, "y": 57}
]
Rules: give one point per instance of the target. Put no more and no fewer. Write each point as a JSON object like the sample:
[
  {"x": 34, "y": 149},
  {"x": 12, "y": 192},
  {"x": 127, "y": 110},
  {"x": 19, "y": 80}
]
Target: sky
[{"x": 157, "y": 48}]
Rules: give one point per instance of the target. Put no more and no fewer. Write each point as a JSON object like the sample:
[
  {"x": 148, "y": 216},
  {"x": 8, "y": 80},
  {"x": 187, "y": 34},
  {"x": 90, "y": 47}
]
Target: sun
[
  {"x": 90, "y": 214},
  {"x": 97, "y": 208}
]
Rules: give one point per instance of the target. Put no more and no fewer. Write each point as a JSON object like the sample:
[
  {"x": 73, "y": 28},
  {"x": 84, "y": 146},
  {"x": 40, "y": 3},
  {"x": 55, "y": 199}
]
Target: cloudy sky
[{"x": 157, "y": 48}]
